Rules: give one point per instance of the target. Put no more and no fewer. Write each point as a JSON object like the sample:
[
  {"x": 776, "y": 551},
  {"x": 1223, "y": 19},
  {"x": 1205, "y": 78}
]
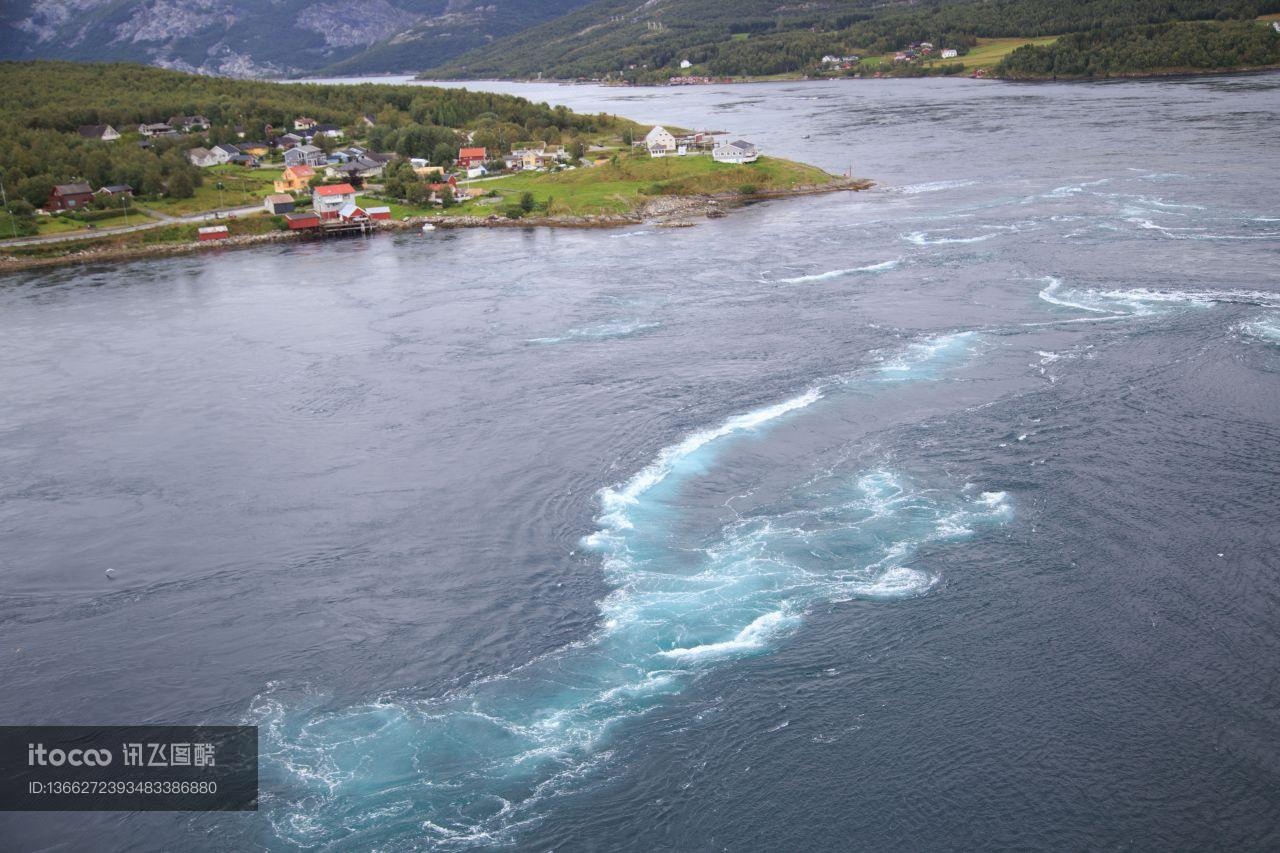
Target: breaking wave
[{"x": 477, "y": 765}]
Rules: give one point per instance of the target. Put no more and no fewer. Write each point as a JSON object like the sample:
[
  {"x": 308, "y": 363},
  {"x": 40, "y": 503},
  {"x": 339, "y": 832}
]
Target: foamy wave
[
  {"x": 606, "y": 331},
  {"x": 922, "y": 238},
  {"x": 883, "y": 266},
  {"x": 934, "y": 186},
  {"x": 924, "y": 354},
  {"x": 752, "y": 638},
  {"x": 1143, "y": 300},
  {"x": 1265, "y": 328}
]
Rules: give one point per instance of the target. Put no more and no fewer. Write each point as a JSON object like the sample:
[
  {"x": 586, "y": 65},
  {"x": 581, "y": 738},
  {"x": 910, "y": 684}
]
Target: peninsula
[{"x": 118, "y": 161}]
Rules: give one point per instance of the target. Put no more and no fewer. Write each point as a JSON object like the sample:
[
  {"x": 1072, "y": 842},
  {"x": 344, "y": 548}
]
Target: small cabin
[
  {"x": 212, "y": 232},
  {"x": 278, "y": 203},
  {"x": 302, "y": 221}
]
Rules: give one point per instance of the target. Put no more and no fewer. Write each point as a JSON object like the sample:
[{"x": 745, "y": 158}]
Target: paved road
[{"x": 158, "y": 220}]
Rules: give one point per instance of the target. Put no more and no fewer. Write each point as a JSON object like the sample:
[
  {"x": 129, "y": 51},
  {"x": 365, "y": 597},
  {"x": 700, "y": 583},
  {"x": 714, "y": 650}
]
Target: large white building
[
  {"x": 660, "y": 142},
  {"x": 738, "y": 151}
]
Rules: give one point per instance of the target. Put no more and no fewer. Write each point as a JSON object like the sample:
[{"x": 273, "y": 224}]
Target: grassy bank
[
  {"x": 142, "y": 241},
  {"x": 626, "y": 184}
]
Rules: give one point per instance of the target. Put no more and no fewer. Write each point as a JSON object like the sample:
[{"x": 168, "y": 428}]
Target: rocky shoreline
[{"x": 669, "y": 211}]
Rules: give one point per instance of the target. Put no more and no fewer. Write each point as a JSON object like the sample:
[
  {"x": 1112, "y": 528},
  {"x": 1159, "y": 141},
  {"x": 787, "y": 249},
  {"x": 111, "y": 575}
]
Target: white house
[
  {"x": 738, "y": 151},
  {"x": 684, "y": 63},
  {"x": 660, "y": 142},
  {"x": 305, "y": 155},
  {"x": 224, "y": 153},
  {"x": 328, "y": 199},
  {"x": 103, "y": 132},
  {"x": 949, "y": 53},
  {"x": 202, "y": 157}
]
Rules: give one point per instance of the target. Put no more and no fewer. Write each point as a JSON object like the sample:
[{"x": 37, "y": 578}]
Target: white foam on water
[
  {"x": 921, "y": 238},
  {"x": 1141, "y": 301},
  {"x": 1265, "y": 328},
  {"x": 919, "y": 358},
  {"x": 605, "y": 331},
  {"x": 883, "y": 266},
  {"x": 752, "y": 638},
  {"x": 934, "y": 186},
  {"x": 479, "y": 764}
]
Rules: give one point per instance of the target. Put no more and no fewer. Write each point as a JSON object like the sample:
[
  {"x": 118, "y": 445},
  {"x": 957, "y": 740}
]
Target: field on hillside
[{"x": 986, "y": 54}]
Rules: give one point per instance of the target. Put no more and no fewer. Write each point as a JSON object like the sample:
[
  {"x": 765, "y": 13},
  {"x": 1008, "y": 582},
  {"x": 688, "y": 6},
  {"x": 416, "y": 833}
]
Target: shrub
[{"x": 747, "y": 189}]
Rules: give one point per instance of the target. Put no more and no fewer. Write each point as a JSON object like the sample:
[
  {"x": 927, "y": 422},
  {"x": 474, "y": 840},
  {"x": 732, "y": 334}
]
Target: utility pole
[
  {"x": 124, "y": 202},
  {"x": 12, "y": 220}
]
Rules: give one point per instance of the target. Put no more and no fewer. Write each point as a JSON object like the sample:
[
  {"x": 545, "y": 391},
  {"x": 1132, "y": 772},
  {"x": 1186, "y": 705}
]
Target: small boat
[{"x": 428, "y": 227}]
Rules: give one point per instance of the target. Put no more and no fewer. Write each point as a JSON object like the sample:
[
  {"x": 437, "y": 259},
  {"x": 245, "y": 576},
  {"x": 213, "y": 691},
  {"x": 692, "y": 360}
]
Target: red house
[
  {"x": 468, "y": 157},
  {"x": 69, "y": 197}
]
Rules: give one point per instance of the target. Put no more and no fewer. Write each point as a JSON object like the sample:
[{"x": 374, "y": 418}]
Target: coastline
[{"x": 663, "y": 211}]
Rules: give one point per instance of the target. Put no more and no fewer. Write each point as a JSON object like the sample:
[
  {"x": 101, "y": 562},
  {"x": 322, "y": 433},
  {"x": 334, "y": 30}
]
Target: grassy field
[
  {"x": 622, "y": 187},
  {"x": 987, "y": 53},
  {"x": 66, "y": 225},
  {"x": 241, "y": 187},
  {"x": 625, "y": 185}
]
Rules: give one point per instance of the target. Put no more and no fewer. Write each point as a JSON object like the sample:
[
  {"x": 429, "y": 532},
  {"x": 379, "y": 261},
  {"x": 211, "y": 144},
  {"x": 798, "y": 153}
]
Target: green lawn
[
  {"x": 241, "y": 187},
  {"x": 66, "y": 225},
  {"x": 623, "y": 186}
]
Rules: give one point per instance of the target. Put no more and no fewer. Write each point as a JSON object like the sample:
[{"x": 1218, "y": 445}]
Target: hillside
[
  {"x": 647, "y": 42},
  {"x": 264, "y": 37}
]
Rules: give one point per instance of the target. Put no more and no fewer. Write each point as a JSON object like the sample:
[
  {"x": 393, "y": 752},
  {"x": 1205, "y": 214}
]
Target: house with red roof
[
  {"x": 328, "y": 199},
  {"x": 468, "y": 157}
]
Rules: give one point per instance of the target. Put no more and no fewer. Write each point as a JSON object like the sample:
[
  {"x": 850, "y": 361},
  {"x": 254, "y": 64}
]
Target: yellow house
[
  {"x": 294, "y": 179},
  {"x": 257, "y": 149}
]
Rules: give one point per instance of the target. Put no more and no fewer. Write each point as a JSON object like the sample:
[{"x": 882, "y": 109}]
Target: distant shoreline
[
  {"x": 1156, "y": 74},
  {"x": 665, "y": 211}
]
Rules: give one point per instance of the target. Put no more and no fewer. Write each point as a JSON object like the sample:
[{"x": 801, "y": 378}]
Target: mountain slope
[
  {"x": 646, "y": 41},
  {"x": 264, "y": 37}
]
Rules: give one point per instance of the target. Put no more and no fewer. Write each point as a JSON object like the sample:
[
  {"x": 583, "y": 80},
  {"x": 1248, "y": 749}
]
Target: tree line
[{"x": 1171, "y": 47}]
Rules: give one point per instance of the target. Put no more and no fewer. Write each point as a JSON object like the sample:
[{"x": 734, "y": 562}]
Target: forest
[
  {"x": 43, "y": 103},
  {"x": 1162, "y": 47},
  {"x": 758, "y": 37}
]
